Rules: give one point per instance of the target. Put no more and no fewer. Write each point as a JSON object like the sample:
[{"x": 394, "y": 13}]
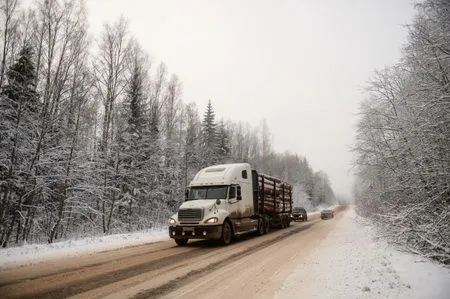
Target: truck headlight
[
  {"x": 212, "y": 220},
  {"x": 172, "y": 221}
]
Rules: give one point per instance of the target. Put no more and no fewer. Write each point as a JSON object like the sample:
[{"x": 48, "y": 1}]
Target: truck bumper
[{"x": 210, "y": 232}]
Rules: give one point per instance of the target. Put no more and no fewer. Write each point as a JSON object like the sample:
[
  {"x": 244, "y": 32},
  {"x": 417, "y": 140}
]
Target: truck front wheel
[
  {"x": 226, "y": 233},
  {"x": 181, "y": 242}
]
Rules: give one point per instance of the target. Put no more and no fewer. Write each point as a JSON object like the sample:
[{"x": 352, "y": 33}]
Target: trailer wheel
[
  {"x": 283, "y": 222},
  {"x": 261, "y": 227},
  {"x": 266, "y": 225},
  {"x": 181, "y": 242},
  {"x": 227, "y": 234}
]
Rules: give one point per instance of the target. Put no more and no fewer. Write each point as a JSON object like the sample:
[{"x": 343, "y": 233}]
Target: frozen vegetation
[
  {"x": 403, "y": 140},
  {"x": 96, "y": 140}
]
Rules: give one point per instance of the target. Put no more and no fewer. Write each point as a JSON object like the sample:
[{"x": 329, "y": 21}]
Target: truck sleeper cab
[{"x": 224, "y": 201}]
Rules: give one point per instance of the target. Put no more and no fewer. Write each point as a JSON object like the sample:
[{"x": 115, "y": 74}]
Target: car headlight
[
  {"x": 172, "y": 221},
  {"x": 212, "y": 220}
]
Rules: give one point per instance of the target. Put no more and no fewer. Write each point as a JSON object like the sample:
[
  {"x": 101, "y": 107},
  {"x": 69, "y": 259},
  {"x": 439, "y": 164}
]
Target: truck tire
[
  {"x": 181, "y": 242},
  {"x": 227, "y": 234},
  {"x": 283, "y": 222},
  {"x": 261, "y": 227},
  {"x": 266, "y": 225}
]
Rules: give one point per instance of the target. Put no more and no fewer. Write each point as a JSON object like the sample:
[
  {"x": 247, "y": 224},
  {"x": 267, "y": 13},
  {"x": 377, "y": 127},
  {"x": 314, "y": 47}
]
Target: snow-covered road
[{"x": 336, "y": 258}]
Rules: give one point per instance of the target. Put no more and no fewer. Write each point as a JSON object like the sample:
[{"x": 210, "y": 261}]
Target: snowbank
[
  {"x": 352, "y": 263},
  {"x": 27, "y": 254}
]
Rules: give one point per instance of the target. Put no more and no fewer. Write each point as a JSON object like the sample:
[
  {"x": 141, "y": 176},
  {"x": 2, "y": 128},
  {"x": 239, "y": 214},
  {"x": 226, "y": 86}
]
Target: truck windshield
[{"x": 213, "y": 192}]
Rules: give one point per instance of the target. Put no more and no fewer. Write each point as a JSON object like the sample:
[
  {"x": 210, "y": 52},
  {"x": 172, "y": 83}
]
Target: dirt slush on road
[{"x": 201, "y": 269}]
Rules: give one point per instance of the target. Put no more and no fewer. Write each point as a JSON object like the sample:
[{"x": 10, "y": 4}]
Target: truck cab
[{"x": 218, "y": 205}]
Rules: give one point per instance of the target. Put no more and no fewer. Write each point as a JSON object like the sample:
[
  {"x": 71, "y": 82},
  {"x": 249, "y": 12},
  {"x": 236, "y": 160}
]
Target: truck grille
[{"x": 190, "y": 214}]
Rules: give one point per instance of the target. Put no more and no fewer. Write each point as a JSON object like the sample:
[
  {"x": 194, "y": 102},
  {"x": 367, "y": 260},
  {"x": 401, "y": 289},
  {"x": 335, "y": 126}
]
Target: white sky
[{"x": 299, "y": 64}]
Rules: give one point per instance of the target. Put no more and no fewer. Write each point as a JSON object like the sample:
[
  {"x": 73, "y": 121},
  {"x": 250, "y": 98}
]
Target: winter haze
[{"x": 301, "y": 65}]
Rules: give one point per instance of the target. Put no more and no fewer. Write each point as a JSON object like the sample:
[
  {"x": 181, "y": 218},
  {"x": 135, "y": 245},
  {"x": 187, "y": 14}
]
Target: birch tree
[
  {"x": 8, "y": 10},
  {"x": 109, "y": 72}
]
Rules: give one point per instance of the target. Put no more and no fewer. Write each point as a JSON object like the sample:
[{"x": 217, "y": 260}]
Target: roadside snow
[
  {"x": 27, "y": 254},
  {"x": 352, "y": 263}
]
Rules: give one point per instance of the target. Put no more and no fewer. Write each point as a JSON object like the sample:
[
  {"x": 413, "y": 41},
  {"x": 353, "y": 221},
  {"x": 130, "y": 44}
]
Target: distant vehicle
[
  {"x": 327, "y": 214},
  {"x": 224, "y": 201},
  {"x": 299, "y": 214}
]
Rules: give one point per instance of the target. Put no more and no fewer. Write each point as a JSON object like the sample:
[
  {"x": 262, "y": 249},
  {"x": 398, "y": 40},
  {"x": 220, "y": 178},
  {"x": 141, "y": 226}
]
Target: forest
[
  {"x": 403, "y": 140},
  {"x": 95, "y": 137}
]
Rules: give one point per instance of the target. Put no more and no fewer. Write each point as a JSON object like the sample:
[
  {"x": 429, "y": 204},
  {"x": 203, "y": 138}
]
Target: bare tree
[
  {"x": 172, "y": 106},
  {"x": 8, "y": 9},
  {"x": 403, "y": 140},
  {"x": 109, "y": 72}
]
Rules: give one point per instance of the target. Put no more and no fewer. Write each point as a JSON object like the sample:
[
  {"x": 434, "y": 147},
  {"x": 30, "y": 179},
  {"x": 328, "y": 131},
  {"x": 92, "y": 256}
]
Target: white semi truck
[{"x": 224, "y": 201}]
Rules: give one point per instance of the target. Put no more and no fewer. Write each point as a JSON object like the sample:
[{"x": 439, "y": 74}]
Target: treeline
[
  {"x": 96, "y": 139},
  {"x": 403, "y": 141}
]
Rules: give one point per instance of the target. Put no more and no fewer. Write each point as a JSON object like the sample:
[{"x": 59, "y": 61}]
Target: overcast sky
[{"x": 301, "y": 65}]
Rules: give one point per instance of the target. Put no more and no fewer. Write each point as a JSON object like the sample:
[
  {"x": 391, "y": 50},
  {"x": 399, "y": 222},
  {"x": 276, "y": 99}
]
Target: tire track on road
[
  {"x": 83, "y": 285},
  {"x": 198, "y": 273},
  {"x": 179, "y": 267}
]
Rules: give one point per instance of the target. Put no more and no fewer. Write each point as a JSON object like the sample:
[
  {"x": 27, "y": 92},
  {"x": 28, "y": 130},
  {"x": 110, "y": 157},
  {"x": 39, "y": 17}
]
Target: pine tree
[
  {"x": 19, "y": 109},
  {"x": 20, "y": 89},
  {"x": 135, "y": 101},
  {"x": 130, "y": 168},
  {"x": 209, "y": 137},
  {"x": 223, "y": 143}
]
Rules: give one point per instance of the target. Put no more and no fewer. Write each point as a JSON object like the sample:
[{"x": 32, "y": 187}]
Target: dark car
[
  {"x": 299, "y": 214},
  {"x": 327, "y": 214}
]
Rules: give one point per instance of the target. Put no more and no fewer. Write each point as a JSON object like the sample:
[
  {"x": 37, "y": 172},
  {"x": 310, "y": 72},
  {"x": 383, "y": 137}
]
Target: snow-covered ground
[
  {"x": 17, "y": 256},
  {"x": 352, "y": 263}
]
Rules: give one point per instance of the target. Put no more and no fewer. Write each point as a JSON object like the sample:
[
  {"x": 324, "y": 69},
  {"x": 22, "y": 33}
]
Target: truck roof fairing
[{"x": 224, "y": 174}]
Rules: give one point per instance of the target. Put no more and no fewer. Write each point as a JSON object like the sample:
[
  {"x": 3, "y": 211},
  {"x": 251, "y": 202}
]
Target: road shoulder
[{"x": 351, "y": 263}]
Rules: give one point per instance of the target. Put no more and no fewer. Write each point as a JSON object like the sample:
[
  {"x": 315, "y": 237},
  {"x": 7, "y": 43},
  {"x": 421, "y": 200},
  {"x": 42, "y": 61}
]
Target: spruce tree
[
  {"x": 135, "y": 101},
  {"x": 21, "y": 86},
  {"x": 209, "y": 136},
  {"x": 19, "y": 109},
  {"x": 133, "y": 140},
  {"x": 223, "y": 143}
]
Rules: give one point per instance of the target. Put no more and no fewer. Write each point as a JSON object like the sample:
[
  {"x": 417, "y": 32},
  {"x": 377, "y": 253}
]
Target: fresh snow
[
  {"x": 352, "y": 263},
  {"x": 31, "y": 254}
]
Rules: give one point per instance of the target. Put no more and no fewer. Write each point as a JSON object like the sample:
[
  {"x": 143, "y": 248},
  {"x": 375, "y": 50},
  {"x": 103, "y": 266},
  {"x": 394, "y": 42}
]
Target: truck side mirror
[
  {"x": 238, "y": 191},
  {"x": 186, "y": 195}
]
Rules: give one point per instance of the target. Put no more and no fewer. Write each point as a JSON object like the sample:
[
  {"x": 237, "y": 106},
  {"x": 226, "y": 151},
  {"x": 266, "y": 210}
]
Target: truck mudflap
[{"x": 210, "y": 232}]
